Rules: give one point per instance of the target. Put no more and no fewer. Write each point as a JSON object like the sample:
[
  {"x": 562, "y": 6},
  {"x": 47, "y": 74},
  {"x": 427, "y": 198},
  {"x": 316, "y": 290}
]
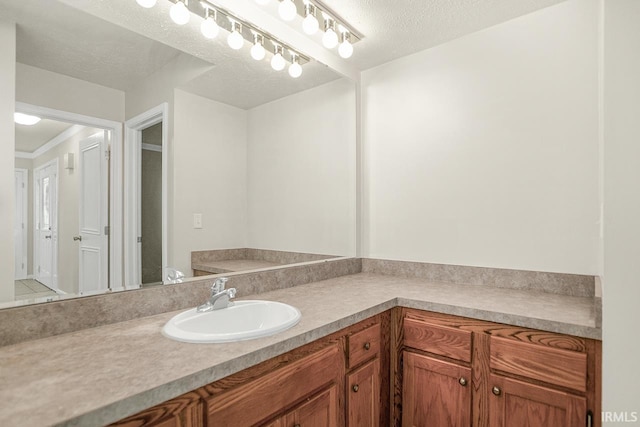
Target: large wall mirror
[{"x": 159, "y": 152}]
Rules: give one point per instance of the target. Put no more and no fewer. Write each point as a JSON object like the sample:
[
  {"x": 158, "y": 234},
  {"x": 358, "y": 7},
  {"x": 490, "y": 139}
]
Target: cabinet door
[
  {"x": 435, "y": 393},
  {"x": 516, "y": 403},
  {"x": 363, "y": 395},
  {"x": 183, "y": 411},
  {"x": 318, "y": 411}
]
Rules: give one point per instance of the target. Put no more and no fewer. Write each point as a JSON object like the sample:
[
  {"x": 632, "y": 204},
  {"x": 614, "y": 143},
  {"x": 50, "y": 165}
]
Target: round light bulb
[
  {"x": 346, "y": 49},
  {"x": 258, "y": 52},
  {"x": 295, "y": 70},
  {"x": 330, "y": 39},
  {"x": 209, "y": 28},
  {"x": 235, "y": 40},
  {"x": 278, "y": 62},
  {"x": 310, "y": 24},
  {"x": 287, "y": 10},
  {"x": 262, "y": 2},
  {"x": 146, "y": 3},
  {"x": 179, "y": 13}
]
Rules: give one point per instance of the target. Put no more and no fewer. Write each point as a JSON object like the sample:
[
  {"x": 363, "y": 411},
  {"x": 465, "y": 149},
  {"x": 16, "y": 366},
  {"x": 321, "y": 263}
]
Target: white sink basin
[{"x": 244, "y": 320}]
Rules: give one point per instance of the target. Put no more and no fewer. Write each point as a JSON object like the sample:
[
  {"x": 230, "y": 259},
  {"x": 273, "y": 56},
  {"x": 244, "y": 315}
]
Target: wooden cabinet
[
  {"x": 435, "y": 392},
  {"x": 333, "y": 382},
  {"x": 363, "y": 395},
  {"x": 464, "y": 372}
]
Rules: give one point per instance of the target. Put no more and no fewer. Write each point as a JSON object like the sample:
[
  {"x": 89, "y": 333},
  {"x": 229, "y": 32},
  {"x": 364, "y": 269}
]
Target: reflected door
[
  {"x": 93, "y": 238},
  {"x": 46, "y": 191},
  {"x": 20, "y": 225}
]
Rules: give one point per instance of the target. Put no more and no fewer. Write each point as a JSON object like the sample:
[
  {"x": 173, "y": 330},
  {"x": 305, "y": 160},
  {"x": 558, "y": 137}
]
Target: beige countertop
[
  {"x": 99, "y": 375},
  {"x": 231, "y": 265}
]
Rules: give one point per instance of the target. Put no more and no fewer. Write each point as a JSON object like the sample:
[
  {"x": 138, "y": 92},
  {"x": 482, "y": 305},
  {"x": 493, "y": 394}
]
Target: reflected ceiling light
[
  {"x": 25, "y": 119},
  {"x": 257, "y": 50},
  {"x": 295, "y": 69},
  {"x": 209, "y": 26},
  {"x": 346, "y": 48},
  {"x": 235, "y": 39},
  {"x": 179, "y": 12},
  {"x": 287, "y": 10},
  {"x": 262, "y": 2},
  {"x": 278, "y": 62},
  {"x": 330, "y": 38},
  {"x": 310, "y": 24},
  {"x": 146, "y": 3}
]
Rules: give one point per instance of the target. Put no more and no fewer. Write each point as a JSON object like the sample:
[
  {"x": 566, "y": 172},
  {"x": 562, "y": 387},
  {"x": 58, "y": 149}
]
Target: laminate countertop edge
[{"x": 100, "y": 375}]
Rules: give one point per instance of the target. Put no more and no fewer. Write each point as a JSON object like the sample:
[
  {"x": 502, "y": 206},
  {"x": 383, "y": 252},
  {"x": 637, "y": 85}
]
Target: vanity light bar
[
  {"x": 217, "y": 17},
  {"x": 326, "y": 19},
  {"x": 227, "y": 20}
]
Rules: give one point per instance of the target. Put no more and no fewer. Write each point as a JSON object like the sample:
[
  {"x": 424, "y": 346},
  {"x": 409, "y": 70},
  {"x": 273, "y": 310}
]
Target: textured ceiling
[
  {"x": 109, "y": 42},
  {"x": 30, "y": 138},
  {"x": 396, "y": 28}
]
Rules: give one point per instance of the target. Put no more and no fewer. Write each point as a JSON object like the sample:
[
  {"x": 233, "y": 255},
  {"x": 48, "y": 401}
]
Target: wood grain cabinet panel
[
  {"x": 363, "y": 395},
  {"x": 435, "y": 392},
  {"x": 318, "y": 411},
  {"x": 183, "y": 411},
  {"x": 442, "y": 340},
  {"x": 257, "y": 400},
  {"x": 363, "y": 345},
  {"x": 517, "y": 403},
  {"x": 551, "y": 365}
]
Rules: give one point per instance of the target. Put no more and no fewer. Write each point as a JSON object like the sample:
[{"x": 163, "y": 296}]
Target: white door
[
  {"x": 20, "y": 224},
  {"x": 46, "y": 224},
  {"x": 92, "y": 238}
]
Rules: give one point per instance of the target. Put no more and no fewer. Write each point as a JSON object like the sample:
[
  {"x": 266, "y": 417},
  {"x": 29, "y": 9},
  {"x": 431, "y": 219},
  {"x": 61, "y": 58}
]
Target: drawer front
[
  {"x": 442, "y": 340},
  {"x": 257, "y": 400},
  {"x": 364, "y": 345},
  {"x": 551, "y": 365}
]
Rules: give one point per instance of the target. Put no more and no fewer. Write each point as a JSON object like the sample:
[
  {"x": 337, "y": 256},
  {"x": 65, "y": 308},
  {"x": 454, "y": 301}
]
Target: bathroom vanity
[
  {"x": 366, "y": 343},
  {"x": 438, "y": 369}
]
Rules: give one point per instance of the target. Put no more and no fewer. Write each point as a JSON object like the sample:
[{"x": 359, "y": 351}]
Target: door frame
[
  {"x": 25, "y": 224},
  {"x": 132, "y": 204},
  {"x": 36, "y": 214},
  {"x": 116, "y": 257}
]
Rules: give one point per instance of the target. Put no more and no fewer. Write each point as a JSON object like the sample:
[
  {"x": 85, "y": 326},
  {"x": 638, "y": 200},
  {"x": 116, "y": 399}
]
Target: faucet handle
[{"x": 218, "y": 285}]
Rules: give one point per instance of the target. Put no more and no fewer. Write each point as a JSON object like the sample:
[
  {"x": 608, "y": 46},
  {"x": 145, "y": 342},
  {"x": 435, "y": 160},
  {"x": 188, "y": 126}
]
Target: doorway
[{"x": 145, "y": 246}]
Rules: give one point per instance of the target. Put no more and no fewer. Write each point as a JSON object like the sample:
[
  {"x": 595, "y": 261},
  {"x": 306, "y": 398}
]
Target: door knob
[
  {"x": 77, "y": 238},
  {"x": 47, "y": 237}
]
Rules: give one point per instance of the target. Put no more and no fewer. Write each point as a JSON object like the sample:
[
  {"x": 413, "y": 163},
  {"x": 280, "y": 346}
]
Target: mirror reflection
[{"x": 152, "y": 161}]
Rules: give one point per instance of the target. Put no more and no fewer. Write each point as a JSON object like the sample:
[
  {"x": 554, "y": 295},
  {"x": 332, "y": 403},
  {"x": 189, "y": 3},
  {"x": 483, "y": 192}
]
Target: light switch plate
[{"x": 197, "y": 220}]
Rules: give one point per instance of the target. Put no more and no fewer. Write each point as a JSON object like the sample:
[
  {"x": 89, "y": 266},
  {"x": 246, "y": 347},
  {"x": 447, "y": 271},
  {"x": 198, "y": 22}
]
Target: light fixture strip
[
  {"x": 225, "y": 18},
  {"x": 321, "y": 8}
]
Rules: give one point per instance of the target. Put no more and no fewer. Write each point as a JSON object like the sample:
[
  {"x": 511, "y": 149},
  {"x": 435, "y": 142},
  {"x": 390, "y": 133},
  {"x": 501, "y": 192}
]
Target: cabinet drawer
[
  {"x": 551, "y": 365},
  {"x": 364, "y": 345},
  {"x": 257, "y": 400},
  {"x": 442, "y": 340}
]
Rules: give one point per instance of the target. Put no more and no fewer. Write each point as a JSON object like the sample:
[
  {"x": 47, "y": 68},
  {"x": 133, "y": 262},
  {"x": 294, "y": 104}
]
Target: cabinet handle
[
  {"x": 355, "y": 388},
  {"x": 296, "y": 425},
  {"x": 496, "y": 390},
  {"x": 463, "y": 381},
  {"x": 367, "y": 346}
]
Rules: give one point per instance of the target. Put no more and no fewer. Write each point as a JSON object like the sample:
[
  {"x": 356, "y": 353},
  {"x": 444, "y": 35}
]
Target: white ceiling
[
  {"x": 112, "y": 43},
  {"x": 30, "y": 138}
]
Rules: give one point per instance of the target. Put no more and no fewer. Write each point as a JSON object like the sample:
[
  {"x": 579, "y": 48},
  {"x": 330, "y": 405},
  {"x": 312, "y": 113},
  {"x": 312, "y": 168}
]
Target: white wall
[
  {"x": 621, "y": 293},
  {"x": 52, "y": 90},
  {"x": 209, "y": 177},
  {"x": 484, "y": 151},
  {"x": 301, "y": 172},
  {"x": 7, "y": 147}
]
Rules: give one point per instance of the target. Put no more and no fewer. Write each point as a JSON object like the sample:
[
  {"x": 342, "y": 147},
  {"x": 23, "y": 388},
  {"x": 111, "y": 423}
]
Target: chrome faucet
[{"x": 219, "y": 296}]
